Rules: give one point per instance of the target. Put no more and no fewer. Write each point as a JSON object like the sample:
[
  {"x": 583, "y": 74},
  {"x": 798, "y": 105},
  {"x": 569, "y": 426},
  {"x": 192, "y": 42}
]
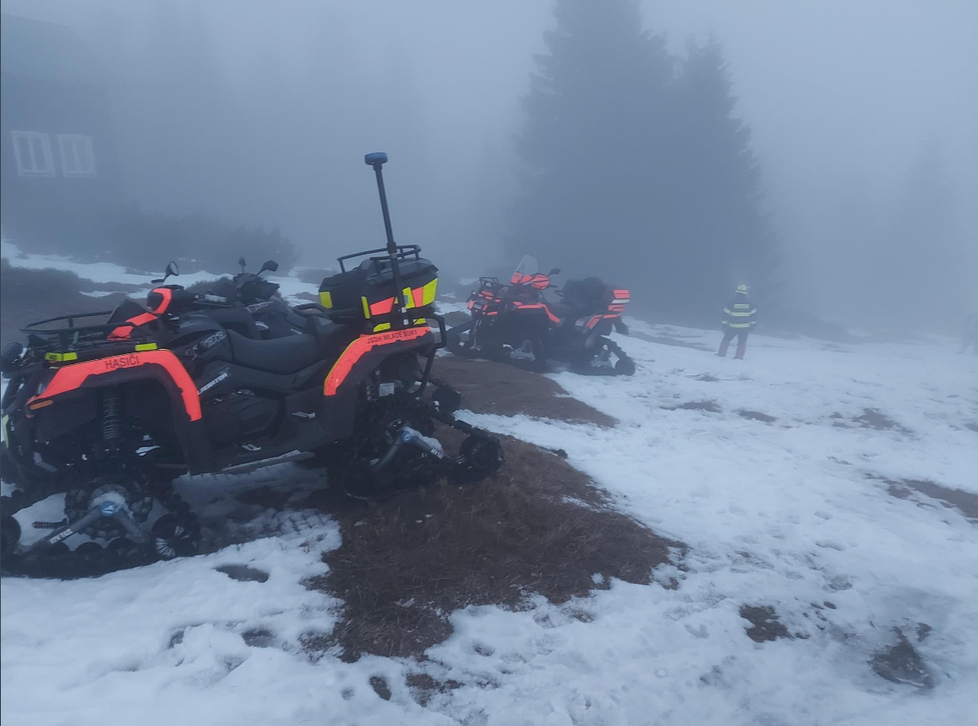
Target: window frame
[
  {"x": 76, "y": 143},
  {"x": 33, "y": 170}
]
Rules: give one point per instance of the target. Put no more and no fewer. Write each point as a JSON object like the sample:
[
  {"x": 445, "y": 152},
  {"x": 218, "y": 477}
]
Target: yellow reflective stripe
[
  {"x": 326, "y": 299},
  {"x": 420, "y": 321},
  {"x": 741, "y": 306},
  {"x": 740, "y": 325},
  {"x": 428, "y": 292},
  {"x": 60, "y": 357},
  {"x": 382, "y": 326},
  {"x": 740, "y": 315},
  {"x": 407, "y": 298},
  {"x": 366, "y": 308},
  {"x": 145, "y": 346},
  {"x": 726, "y": 311}
]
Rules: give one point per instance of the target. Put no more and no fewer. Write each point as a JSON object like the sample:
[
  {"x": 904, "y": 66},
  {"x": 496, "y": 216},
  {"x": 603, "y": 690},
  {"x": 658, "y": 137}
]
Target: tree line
[{"x": 636, "y": 166}]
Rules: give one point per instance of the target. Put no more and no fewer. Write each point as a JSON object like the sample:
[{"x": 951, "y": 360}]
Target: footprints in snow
[{"x": 254, "y": 637}]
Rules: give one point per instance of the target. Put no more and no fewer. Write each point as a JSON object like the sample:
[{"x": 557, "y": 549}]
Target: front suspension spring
[{"x": 111, "y": 416}]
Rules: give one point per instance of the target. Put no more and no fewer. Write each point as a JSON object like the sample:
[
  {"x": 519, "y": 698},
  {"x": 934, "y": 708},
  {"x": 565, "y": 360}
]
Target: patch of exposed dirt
[
  {"x": 506, "y": 390},
  {"x": 379, "y": 684},
  {"x": 964, "y": 502},
  {"x": 873, "y": 418},
  {"x": 712, "y": 406},
  {"x": 756, "y": 416},
  {"x": 259, "y": 638},
  {"x": 902, "y": 663},
  {"x": 538, "y": 526},
  {"x": 765, "y": 625},
  {"x": 243, "y": 573},
  {"x": 424, "y": 686}
]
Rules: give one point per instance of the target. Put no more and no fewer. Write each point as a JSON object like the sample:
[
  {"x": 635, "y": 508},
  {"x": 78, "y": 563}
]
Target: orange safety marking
[
  {"x": 360, "y": 347},
  {"x": 71, "y": 377}
]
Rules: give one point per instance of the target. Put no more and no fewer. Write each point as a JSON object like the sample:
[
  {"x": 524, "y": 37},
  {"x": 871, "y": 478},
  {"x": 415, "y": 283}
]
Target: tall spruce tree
[
  {"x": 593, "y": 123},
  {"x": 720, "y": 234}
]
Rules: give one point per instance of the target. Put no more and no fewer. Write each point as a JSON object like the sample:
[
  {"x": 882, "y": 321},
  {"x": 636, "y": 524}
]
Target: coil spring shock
[{"x": 111, "y": 416}]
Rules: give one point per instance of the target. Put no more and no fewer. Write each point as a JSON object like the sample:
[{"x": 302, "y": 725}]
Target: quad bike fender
[
  {"x": 161, "y": 365},
  {"x": 64, "y": 395},
  {"x": 342, "y": 384},
  {"x": 599, "y": 324}
]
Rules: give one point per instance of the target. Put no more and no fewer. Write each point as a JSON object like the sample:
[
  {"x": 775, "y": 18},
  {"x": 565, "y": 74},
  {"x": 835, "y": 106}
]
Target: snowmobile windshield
[
  {"x": 528, "y": 266},
  {"x": 528, "y": 273}
]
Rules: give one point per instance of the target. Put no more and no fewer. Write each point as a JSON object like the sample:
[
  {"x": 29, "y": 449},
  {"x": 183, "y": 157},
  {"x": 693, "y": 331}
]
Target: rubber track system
[
  {"x": 480, "y": 455},
  {"x": 175, "y": 534}
]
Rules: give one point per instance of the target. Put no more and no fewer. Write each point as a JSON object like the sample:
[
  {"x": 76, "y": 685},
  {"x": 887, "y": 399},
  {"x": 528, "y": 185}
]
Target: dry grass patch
[
  {"x": 756, "y": 416},
  {"x": 506, "y": 390},
  {"x": 538, "y": 526},
  {"x": 710, "y": 406},
  {"x": 964, "y": 502},
  {"x": 765, "y": 625}
]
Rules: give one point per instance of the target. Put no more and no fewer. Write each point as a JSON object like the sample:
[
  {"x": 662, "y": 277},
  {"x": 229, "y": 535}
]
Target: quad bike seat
[
  {"x": 236, "y": 319},
  {"x": 586, "y": 295},
  {"x": 285, "y": 355},
  {"x": 331, "y": 337}
]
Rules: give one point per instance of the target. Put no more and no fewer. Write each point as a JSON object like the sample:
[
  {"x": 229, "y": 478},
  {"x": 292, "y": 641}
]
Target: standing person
[
  {"x": 970, "y": 334},
  {"x": 739, "y": 317}
]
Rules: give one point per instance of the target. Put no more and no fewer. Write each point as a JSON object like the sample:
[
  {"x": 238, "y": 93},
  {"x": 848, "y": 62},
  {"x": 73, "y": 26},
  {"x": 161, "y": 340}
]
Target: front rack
[{"x": 404, "y": 252}]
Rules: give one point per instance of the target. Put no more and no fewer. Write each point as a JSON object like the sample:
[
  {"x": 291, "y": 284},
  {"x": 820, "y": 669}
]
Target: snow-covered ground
[{"x": 793, "y": 514}]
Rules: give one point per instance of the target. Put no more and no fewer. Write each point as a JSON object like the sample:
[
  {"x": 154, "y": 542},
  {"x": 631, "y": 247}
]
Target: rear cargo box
[{"x": 369, "y": 289}]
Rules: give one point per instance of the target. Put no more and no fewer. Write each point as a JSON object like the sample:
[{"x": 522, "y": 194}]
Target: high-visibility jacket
[{"x": 740, "y": 313}]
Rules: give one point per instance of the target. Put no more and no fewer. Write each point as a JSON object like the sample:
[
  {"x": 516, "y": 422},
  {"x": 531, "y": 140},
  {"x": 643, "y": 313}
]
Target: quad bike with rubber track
[
  {"x": 516, "y": 323},
  {"x": 110, "y": 413}
]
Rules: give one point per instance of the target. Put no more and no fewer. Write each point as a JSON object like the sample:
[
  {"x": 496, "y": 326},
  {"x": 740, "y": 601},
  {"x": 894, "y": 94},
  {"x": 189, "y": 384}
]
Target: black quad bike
[
  {"x": 110, "y": 413},
  {"x": 516, "y": 323}
]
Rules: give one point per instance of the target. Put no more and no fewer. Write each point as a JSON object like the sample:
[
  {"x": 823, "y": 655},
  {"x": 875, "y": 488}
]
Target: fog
[{"x": 864, "y": 121}]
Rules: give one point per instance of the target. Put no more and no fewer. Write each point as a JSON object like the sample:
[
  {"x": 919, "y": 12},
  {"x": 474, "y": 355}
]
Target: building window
[
  {"x": 33, "y": 153},
  {"x": 77, "y": 155}
]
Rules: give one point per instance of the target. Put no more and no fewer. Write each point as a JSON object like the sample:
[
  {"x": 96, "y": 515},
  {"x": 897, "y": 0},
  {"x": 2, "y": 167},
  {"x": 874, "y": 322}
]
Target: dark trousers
[{"x": 728, "y": 335}]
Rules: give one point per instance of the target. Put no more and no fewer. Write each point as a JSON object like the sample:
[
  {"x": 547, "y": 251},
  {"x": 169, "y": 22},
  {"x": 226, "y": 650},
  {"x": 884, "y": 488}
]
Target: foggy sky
[{"x": 843, "y": 98}]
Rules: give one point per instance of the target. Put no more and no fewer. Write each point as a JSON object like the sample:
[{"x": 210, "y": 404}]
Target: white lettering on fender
[{"x": 211, "y": 384}]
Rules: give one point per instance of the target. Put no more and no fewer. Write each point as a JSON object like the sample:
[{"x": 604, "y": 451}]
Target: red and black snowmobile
[
  {"x": 111, "y": 413},
  {"x": 516, "y": 323}
]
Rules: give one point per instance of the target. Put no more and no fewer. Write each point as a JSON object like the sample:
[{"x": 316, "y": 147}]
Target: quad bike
[
  {"x": 516, "y": 323},
  {"x": 110, "y": 413},
  {"x": 248, "y": 305}
]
